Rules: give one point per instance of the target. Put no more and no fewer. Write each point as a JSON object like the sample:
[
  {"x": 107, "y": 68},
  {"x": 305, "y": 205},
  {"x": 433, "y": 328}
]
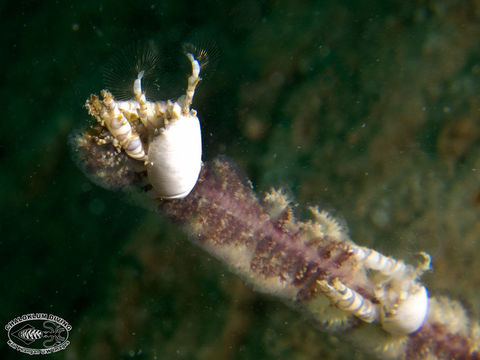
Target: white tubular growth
[{"x": 349, "y": 300}]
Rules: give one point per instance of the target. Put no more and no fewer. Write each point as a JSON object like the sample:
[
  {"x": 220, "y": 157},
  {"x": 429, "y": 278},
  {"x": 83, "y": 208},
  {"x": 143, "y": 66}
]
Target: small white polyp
[{"x": 408, "y": 315}]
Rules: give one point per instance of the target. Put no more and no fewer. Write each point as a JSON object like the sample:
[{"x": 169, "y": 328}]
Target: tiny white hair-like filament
[{"x": 349, "y": 300}]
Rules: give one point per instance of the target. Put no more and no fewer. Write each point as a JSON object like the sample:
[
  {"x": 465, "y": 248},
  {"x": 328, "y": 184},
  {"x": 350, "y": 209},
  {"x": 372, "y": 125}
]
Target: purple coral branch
[
  {"x": 231, "y": 215},
  {"x": 223, "y": 215}
]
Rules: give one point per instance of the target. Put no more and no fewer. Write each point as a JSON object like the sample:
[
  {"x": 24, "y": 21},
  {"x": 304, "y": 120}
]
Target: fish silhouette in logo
[
  {"x": 53, "y": 334},
  {"x": 28, "y": 334}
]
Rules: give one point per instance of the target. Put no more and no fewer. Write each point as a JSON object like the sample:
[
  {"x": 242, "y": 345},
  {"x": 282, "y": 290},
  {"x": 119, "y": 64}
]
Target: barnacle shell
[
  {"x": 409, "y": 315},
  {"x": 175, "y": 157}
]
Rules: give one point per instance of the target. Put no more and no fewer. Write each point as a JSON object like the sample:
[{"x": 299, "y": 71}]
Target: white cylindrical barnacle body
[
  {"x": 407, "y": 315},
  {"x": 175, "y": 157}
]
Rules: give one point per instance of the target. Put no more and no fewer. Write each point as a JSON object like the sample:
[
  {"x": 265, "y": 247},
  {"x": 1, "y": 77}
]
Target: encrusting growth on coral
[{"x": 370, "y": 299}]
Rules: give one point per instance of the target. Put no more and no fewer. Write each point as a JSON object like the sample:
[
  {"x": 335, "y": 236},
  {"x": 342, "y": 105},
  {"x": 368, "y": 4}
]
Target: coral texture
[{"x": 263, "y": 243}]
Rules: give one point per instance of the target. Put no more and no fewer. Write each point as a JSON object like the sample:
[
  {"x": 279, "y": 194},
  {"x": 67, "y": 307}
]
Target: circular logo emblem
[{"x": 38, "y": 333}]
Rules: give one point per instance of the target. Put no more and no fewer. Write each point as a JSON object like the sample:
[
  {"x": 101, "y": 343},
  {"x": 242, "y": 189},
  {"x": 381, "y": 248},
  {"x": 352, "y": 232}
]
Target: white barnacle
[
  {"x": 406, "y": 315},
  {"x": 164, "y": 135},
  {"x": 174, "y": 157},
  {"x": 403, "y": 301}
]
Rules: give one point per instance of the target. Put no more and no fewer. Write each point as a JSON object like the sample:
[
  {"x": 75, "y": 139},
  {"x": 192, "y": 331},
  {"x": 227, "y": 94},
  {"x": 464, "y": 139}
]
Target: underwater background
[{"x": 370, "y": 109}]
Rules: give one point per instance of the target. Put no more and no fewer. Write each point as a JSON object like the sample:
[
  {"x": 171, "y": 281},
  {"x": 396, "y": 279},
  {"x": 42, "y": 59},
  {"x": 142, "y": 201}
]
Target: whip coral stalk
[{"x": 370, "y": 299}]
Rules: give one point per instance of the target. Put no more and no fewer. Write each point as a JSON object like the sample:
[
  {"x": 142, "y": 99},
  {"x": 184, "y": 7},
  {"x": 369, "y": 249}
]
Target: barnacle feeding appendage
[
  {"x": 164, "y": 135},
  {"x": 372, "y": 300}
]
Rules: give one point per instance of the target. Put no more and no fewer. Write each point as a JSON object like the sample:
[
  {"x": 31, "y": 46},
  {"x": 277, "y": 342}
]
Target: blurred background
[{"x": 368, "y": 108}]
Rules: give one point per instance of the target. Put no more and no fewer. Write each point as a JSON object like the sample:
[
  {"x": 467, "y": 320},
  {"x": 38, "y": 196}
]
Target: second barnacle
[
  {"x": 165, "y": 136},
  {"x": 403, "y": 302}
]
